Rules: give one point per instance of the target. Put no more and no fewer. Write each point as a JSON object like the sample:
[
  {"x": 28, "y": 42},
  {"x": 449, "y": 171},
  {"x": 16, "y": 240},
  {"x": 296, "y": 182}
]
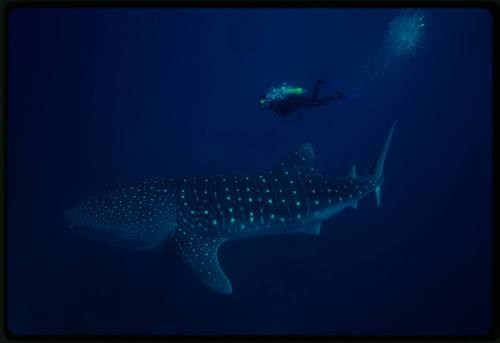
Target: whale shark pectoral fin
[
  {"x": 298, "y": 163},
  {"x": 313, "y": 229},
  {"x": 200, "y": 255}
]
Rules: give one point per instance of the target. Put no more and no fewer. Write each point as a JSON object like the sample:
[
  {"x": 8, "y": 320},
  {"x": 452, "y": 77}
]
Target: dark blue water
[{"x": 103, "y": 97}]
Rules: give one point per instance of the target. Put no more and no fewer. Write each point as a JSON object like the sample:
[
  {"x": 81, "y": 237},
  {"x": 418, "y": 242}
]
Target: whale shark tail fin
[{"x": 379, "y": 166}]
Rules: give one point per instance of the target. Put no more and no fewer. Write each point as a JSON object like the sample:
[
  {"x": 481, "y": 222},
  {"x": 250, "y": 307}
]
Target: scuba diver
[{"x": 286, "y": 100}]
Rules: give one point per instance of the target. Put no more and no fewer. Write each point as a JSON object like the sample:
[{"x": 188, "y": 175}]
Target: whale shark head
[
  {"x": 90, "y": 219},
  {"x": 131, "y": 216}
]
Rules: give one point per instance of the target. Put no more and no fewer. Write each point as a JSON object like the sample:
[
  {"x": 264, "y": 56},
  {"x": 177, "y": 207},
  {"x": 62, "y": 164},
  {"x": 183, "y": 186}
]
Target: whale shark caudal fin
[
  {"x": 379, "y": 166},
  {"x": 298, "y": 163},
  {"x": 200, "y": 255}
]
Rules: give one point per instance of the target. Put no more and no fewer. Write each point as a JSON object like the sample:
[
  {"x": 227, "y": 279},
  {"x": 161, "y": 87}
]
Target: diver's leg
[
  {"x": 322, "y": 101},
  {"x": 315, "y": 93},
  {"x": 329, "y": 98}
]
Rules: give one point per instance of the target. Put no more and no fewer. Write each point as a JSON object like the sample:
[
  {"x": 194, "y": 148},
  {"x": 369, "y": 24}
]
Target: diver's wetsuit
[{"x": 293, "y": 102}]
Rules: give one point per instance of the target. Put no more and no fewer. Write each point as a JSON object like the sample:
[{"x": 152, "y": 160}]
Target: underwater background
[{"x": 101, "y": 97}]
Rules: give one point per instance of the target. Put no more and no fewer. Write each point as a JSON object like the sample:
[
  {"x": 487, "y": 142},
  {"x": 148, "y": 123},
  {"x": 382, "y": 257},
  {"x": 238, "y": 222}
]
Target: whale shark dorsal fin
[
  {"x": 298, "y": 163},
  {"x": 352, "y": 172},
  {"x": 200, "y": 255}
]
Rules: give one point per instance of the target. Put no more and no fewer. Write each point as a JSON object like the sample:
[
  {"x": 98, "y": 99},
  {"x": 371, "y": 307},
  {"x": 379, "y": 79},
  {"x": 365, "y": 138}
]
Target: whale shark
[{"x": 193, "y": 216}]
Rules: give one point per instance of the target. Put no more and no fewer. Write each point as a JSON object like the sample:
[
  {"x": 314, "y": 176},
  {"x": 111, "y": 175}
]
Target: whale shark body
[{"x": 194, "y": 215}]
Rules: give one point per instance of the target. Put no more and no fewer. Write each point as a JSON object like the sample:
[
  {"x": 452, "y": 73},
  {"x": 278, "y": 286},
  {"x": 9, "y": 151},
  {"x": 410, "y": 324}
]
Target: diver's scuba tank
[
  {"x": 287, "y": 89},
  {"x": 281, "y": 93}
]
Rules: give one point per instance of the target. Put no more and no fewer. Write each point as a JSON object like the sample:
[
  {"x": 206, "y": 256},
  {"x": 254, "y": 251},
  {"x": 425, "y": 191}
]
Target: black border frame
[{"x": 7, "y": 6}]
